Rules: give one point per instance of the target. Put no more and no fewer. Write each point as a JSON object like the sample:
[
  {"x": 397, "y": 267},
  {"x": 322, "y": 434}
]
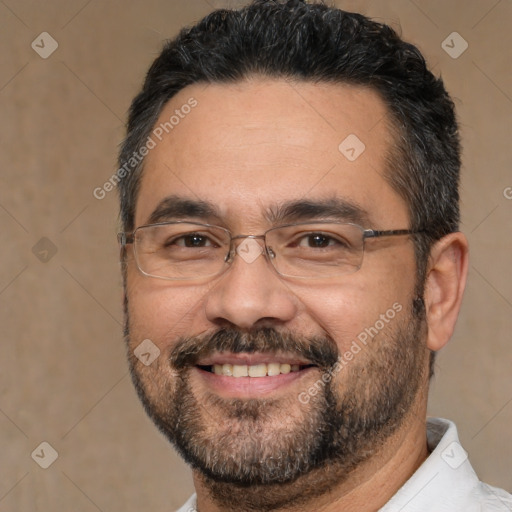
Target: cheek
[
  {"x": 163, "y": 312},
  {"x": 358, "y": 303}
]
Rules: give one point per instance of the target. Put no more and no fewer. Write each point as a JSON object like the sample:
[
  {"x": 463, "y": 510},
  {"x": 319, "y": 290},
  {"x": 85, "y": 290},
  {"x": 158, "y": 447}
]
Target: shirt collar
[{"x": 443, "y": 481}]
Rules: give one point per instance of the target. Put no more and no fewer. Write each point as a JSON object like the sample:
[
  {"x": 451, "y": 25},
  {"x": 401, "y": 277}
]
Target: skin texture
[{"x": 246, "y": 148}]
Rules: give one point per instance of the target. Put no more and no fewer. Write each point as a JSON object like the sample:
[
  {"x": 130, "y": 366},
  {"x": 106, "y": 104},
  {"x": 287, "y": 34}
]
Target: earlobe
[{"x": 444, "y": 287}]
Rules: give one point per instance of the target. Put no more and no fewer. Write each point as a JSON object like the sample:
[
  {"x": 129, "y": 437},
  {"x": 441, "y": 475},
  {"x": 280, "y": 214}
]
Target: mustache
[{"x": 321, "y": 351}]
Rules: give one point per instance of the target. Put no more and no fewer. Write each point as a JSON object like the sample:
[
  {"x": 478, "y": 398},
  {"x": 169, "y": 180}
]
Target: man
[{"x": 292, "y": 262}]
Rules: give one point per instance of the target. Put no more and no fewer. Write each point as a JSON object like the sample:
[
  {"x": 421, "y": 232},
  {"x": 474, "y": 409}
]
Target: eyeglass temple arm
[
  {"x": 375, "y": 233},
  {"x": 125, "y": 238}
]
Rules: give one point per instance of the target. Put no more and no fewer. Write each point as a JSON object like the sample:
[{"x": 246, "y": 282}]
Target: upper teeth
[{"x": 256, "y": 370}]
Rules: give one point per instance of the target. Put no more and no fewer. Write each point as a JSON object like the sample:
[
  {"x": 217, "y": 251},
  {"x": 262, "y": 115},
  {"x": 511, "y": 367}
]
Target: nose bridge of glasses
[{"x": 248, "y": 247}]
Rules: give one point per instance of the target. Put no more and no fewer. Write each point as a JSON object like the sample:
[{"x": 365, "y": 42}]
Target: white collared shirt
[{"x": 445, "y": 482}]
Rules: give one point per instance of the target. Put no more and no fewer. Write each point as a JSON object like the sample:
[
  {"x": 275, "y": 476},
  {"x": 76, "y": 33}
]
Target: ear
[{"x": 445, "y": 282}]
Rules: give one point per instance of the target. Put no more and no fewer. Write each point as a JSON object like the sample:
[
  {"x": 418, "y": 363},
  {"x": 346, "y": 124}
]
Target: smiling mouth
[{"x": 255, "y": 370}]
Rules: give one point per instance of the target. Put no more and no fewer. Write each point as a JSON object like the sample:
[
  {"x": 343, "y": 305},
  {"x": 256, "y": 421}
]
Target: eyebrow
[
  {"x": 175, "y": 207},
  {"x": 335, "y": 209}
]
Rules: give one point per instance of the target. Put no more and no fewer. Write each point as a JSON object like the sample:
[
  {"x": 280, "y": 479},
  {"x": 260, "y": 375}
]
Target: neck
[{"x": 367, "y": 488}]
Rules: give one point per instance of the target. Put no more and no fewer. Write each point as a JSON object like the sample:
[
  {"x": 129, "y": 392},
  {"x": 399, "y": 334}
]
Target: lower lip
[{"x": 249, "y": 386}]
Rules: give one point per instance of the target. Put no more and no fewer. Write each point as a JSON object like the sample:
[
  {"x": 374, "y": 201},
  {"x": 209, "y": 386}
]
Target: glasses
[{"x": 182, "y": 250}]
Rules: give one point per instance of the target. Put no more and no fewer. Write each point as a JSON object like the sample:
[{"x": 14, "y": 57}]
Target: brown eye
[
  {"x": 317, "y": 240},
  {"x": 191, "y": 240},
  {"x": 195, "y": 240}
]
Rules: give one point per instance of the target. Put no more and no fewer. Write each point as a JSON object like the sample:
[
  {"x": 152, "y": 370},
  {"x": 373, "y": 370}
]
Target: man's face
[{"x": 248, "y": 149}]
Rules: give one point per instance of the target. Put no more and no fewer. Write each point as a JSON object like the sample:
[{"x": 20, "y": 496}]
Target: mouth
[
  {"x": 255, "y": 370},
  {"x": 250, "y": 375}
]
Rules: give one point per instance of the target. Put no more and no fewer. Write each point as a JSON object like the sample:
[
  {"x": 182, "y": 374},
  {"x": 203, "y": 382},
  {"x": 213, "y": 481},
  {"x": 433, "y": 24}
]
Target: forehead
[{"x": 250, "y": 146}]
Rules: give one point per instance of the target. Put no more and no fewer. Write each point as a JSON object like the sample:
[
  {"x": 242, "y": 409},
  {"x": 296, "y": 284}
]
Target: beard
[{"x": 272, "y": 453}]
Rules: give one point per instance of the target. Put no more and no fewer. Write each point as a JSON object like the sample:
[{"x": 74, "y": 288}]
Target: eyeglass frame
[{"x": 128, "y": 238}]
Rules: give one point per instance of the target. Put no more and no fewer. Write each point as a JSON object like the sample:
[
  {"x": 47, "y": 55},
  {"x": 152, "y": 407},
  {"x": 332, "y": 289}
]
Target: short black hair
[{"x": 317, "y": 43}]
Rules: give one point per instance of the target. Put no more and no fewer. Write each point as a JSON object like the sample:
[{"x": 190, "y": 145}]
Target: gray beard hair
[{"x": 269, "y": 454}]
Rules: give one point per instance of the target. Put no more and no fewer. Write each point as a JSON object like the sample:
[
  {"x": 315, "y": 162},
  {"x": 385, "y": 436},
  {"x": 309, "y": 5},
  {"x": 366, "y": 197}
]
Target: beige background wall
[{"x": 63, "y": 376}]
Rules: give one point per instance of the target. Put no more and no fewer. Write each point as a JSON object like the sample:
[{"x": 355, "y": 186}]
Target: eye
[
  {"x": 191, "y": 240},
  {"x": 317, "y": 241}
]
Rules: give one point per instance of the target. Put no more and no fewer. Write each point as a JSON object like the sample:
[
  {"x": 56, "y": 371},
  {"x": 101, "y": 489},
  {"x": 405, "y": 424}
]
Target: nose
[{"x": 250, "y": 294}]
